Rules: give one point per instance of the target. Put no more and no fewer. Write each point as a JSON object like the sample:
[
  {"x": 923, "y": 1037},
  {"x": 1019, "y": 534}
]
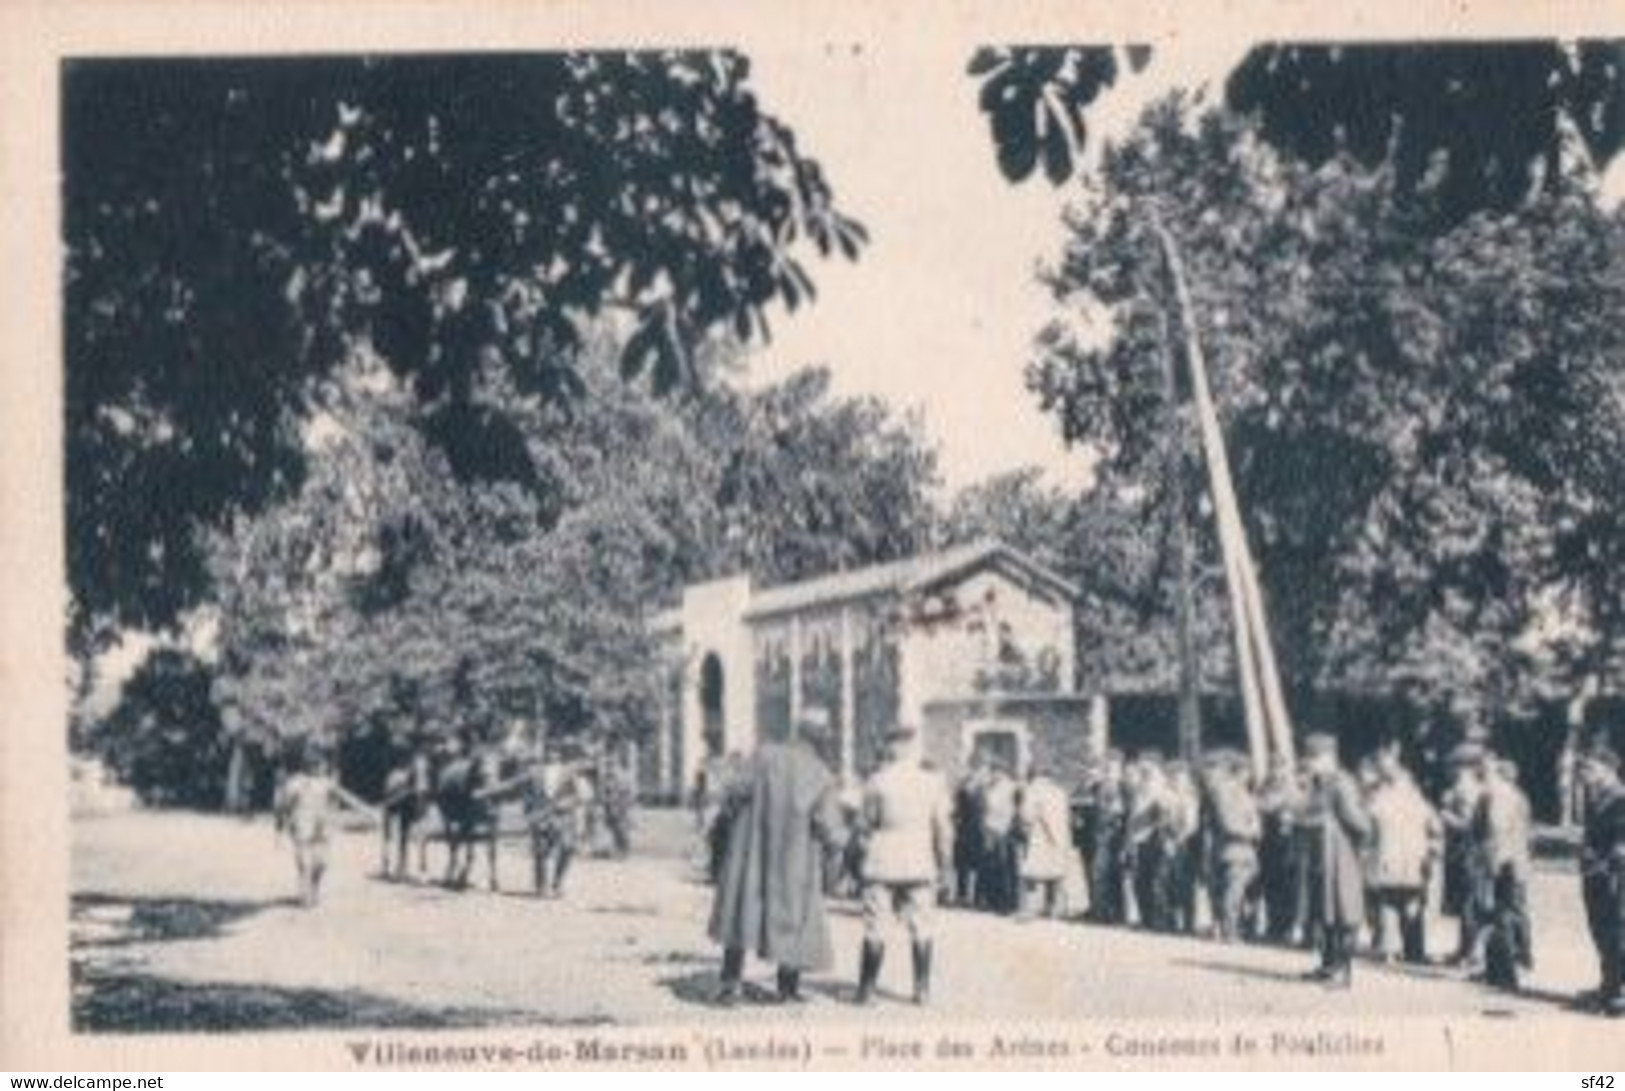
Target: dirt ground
[{"x": 182, "y": 922}]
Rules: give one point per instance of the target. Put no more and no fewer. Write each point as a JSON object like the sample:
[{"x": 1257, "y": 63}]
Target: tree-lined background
[{"x": 414, "y": 383}]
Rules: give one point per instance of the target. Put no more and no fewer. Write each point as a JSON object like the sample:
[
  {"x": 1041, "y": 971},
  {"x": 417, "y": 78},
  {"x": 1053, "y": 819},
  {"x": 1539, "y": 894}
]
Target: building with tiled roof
[{"x": 973, "y": 644}]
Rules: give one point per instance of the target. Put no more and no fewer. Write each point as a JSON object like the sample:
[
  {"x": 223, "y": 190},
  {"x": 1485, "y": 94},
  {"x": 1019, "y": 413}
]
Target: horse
[
  {"x": 408, "y": 793},
  {"x": 464, "y": 794}
]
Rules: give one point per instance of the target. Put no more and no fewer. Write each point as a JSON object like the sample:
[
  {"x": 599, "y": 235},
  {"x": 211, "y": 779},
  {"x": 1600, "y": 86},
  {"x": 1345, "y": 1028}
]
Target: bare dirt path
[{"x": 182, "y": 922}]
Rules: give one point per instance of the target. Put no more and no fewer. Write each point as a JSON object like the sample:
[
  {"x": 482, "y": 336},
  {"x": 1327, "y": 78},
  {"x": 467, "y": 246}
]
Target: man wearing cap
[
  {"x": 1602, "y": 873},
  {"x": 968, "y": 837},
  {"x": 770, "y": 896},
  {"x": 1104, "y": 848},
  {"x": 1336, "y": 818},
  {"x": 1232, "y": 822},
  {"x": 1279, "y": 800},
  {"x": 1147, "y": 843},
  {"x": 1457, "y": 809},
  {"x": 907, "y": 815}
]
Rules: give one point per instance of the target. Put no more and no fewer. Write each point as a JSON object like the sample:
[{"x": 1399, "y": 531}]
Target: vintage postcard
[{"x": 828, "y": 536}]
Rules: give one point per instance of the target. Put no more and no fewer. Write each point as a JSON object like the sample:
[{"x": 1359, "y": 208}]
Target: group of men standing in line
[{"x": 1312, "y": 855}]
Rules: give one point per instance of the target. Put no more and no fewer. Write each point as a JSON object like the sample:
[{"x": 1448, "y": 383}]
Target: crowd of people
[
  {"x": 1313, "y": 855},
  {"x": 1310, "y": 854}
]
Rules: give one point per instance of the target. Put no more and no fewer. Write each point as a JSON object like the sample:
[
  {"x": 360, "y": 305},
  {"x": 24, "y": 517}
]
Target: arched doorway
[{"x": 712, "y": 731}]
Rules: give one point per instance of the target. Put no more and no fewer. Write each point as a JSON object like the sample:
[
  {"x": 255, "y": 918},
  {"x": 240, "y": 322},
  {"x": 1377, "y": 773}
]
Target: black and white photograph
[{"x": 846, "y": 532}]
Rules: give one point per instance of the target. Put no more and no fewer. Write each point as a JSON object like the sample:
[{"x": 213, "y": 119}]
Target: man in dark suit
[
  {"x": 1602, "y": 873},
  {"x": 1337, "y": 818}
]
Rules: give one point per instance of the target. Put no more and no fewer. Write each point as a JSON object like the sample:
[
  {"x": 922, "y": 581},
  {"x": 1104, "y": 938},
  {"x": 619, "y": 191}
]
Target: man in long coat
[
  {"x": 1001, "y": 800},
  {"x": 1105, "y": 841},
  {"x": 1279, "y": 801},
  {"x": 1148, "y": 839},
  {"x": 770, "y": 896},
  {"x": 1336, "y": 814},
  {"x": 1602, "y": 873},
  {"x": 1461, "y": 858},
  {"x": 968, "y": 844}
]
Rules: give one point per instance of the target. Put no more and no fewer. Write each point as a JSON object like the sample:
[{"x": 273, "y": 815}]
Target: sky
[{"x": 940, "y": 312}]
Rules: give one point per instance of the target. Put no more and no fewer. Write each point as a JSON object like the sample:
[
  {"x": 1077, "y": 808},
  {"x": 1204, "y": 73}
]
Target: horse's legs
[
  {"x": 538, "y": 860},
  {"x": 383, "y": 845},
  {"x": 403, "y": 835},
  {"x": 491, "y": 855},
  {"x": 465, "y": 857}
]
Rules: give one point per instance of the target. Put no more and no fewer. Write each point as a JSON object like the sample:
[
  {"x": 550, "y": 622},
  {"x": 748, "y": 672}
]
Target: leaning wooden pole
[{"x": 1255, "y": 654}]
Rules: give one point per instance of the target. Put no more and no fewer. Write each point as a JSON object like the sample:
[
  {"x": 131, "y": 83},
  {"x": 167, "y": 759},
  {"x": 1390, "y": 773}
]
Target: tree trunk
[{"x": 236, "y": 776}]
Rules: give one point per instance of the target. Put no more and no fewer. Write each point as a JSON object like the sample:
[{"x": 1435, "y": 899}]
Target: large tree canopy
[
  {"x": 384, "y": 598},
  {"x": 1422, "y": 425},
  {"x": 1468, "y": 125},
  {"x": 235, "y": 227}
]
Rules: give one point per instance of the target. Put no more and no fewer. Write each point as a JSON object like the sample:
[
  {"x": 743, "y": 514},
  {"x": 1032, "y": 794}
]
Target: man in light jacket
[
  {"x": 908, "y": 818},
  {"x": 1405, "y": 848},
  {"x": 1502, "y": 829},
  {"x": 1044, "y": 817}
]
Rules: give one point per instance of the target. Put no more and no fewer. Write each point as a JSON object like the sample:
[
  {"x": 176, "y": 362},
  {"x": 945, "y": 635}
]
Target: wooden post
[
  {"x": 1252, "y": 636},
  {"x": 849, "y": 700},
  {"x": 1190, "y": 705},
  {"x": 795, "y": 676}
]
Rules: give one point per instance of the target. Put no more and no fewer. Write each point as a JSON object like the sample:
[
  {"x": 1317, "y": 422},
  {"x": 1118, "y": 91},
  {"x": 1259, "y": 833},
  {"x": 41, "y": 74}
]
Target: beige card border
[{"x": 35, "y": 35}]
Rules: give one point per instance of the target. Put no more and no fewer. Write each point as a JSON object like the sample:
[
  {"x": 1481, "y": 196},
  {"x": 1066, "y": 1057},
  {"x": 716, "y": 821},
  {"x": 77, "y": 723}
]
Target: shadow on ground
[
  {"x": 109, "y": 920},
  {"x": 702, "y": 987},
  {"x": 140, "y": 1003}
]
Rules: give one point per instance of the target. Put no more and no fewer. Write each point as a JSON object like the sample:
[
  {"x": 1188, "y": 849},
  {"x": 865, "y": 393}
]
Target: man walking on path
[
  {"x": 553, "y": 819},
  {"x": 907, "y": 814},
  {"x": 770, "y": 895},
  {"x": 1337, "y": 819},
  {"x": 303, "y": 811}
]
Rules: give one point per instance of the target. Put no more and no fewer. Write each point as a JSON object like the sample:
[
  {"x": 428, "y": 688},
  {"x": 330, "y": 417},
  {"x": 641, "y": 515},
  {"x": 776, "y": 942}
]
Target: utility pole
[{"x": 1190, "y": 703}]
